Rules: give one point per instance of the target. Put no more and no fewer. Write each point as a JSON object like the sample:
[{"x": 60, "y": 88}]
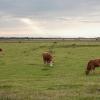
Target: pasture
[{"x": 23, "y": 76}]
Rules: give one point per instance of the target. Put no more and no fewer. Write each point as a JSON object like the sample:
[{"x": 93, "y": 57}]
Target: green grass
[{"x": 23, "y": 76}]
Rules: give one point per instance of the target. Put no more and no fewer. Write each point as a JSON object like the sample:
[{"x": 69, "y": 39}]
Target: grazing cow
[
  {"x": 92, "y": 64},
  {"x": 1, "y": 50},
  {"x": 48, "y": 58}
]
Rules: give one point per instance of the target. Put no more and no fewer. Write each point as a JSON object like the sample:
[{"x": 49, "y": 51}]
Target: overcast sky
[{"x": 50, "y": 18}]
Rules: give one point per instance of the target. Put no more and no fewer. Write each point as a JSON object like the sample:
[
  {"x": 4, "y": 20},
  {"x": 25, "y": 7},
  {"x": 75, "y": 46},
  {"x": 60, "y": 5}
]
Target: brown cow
[
  {"x": 92, "y": 64},
  {"x": 48, "y": 58}
]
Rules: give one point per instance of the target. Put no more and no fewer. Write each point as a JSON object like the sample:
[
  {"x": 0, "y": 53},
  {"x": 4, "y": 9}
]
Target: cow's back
[
  {"x": 97, "y": 62},
  {"x": 47, "y": 56}
]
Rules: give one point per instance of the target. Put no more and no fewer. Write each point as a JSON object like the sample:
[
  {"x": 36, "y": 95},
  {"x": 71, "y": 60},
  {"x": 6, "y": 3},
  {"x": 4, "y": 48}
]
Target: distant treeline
[{"x": 41, "y": 38}]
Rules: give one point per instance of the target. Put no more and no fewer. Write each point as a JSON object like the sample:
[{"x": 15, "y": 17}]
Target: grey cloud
[
  {"x": 49, "y": 7},
  {"x": 8, "y": 22}
]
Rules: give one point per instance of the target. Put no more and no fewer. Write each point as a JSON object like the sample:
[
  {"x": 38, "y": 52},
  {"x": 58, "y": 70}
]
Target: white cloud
[{"x": 31, "y": 25}]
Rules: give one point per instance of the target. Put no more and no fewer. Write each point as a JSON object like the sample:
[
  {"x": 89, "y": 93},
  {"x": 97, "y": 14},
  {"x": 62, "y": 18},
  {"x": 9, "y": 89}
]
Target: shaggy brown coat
[
  {"x": 47, "y": 57},
  {"x": 92, "y": 64}
]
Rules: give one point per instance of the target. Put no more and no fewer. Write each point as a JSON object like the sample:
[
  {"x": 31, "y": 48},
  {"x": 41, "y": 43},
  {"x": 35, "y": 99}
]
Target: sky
[{"x": 50, "y": 18}]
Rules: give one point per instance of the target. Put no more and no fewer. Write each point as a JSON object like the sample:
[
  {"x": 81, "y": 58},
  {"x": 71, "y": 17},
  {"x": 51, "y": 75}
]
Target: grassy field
[{"x": 23, "y": 76}]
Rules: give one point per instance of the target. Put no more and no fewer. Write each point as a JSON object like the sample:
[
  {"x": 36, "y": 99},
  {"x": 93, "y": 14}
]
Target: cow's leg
[
  {"x": 92, "y": 69},
  {"x": 45, "y": 62}
]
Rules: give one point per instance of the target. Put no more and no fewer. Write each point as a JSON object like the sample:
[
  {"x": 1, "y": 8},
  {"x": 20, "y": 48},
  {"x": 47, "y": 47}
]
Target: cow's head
[
  {"x": 51, "y": 63},
  {"x": 87, "y": 72}
]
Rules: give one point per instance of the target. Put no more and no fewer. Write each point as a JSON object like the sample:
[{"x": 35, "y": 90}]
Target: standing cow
[
  {"x": 48, "y": 58},
  {"x": 92, "y": 64}
]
